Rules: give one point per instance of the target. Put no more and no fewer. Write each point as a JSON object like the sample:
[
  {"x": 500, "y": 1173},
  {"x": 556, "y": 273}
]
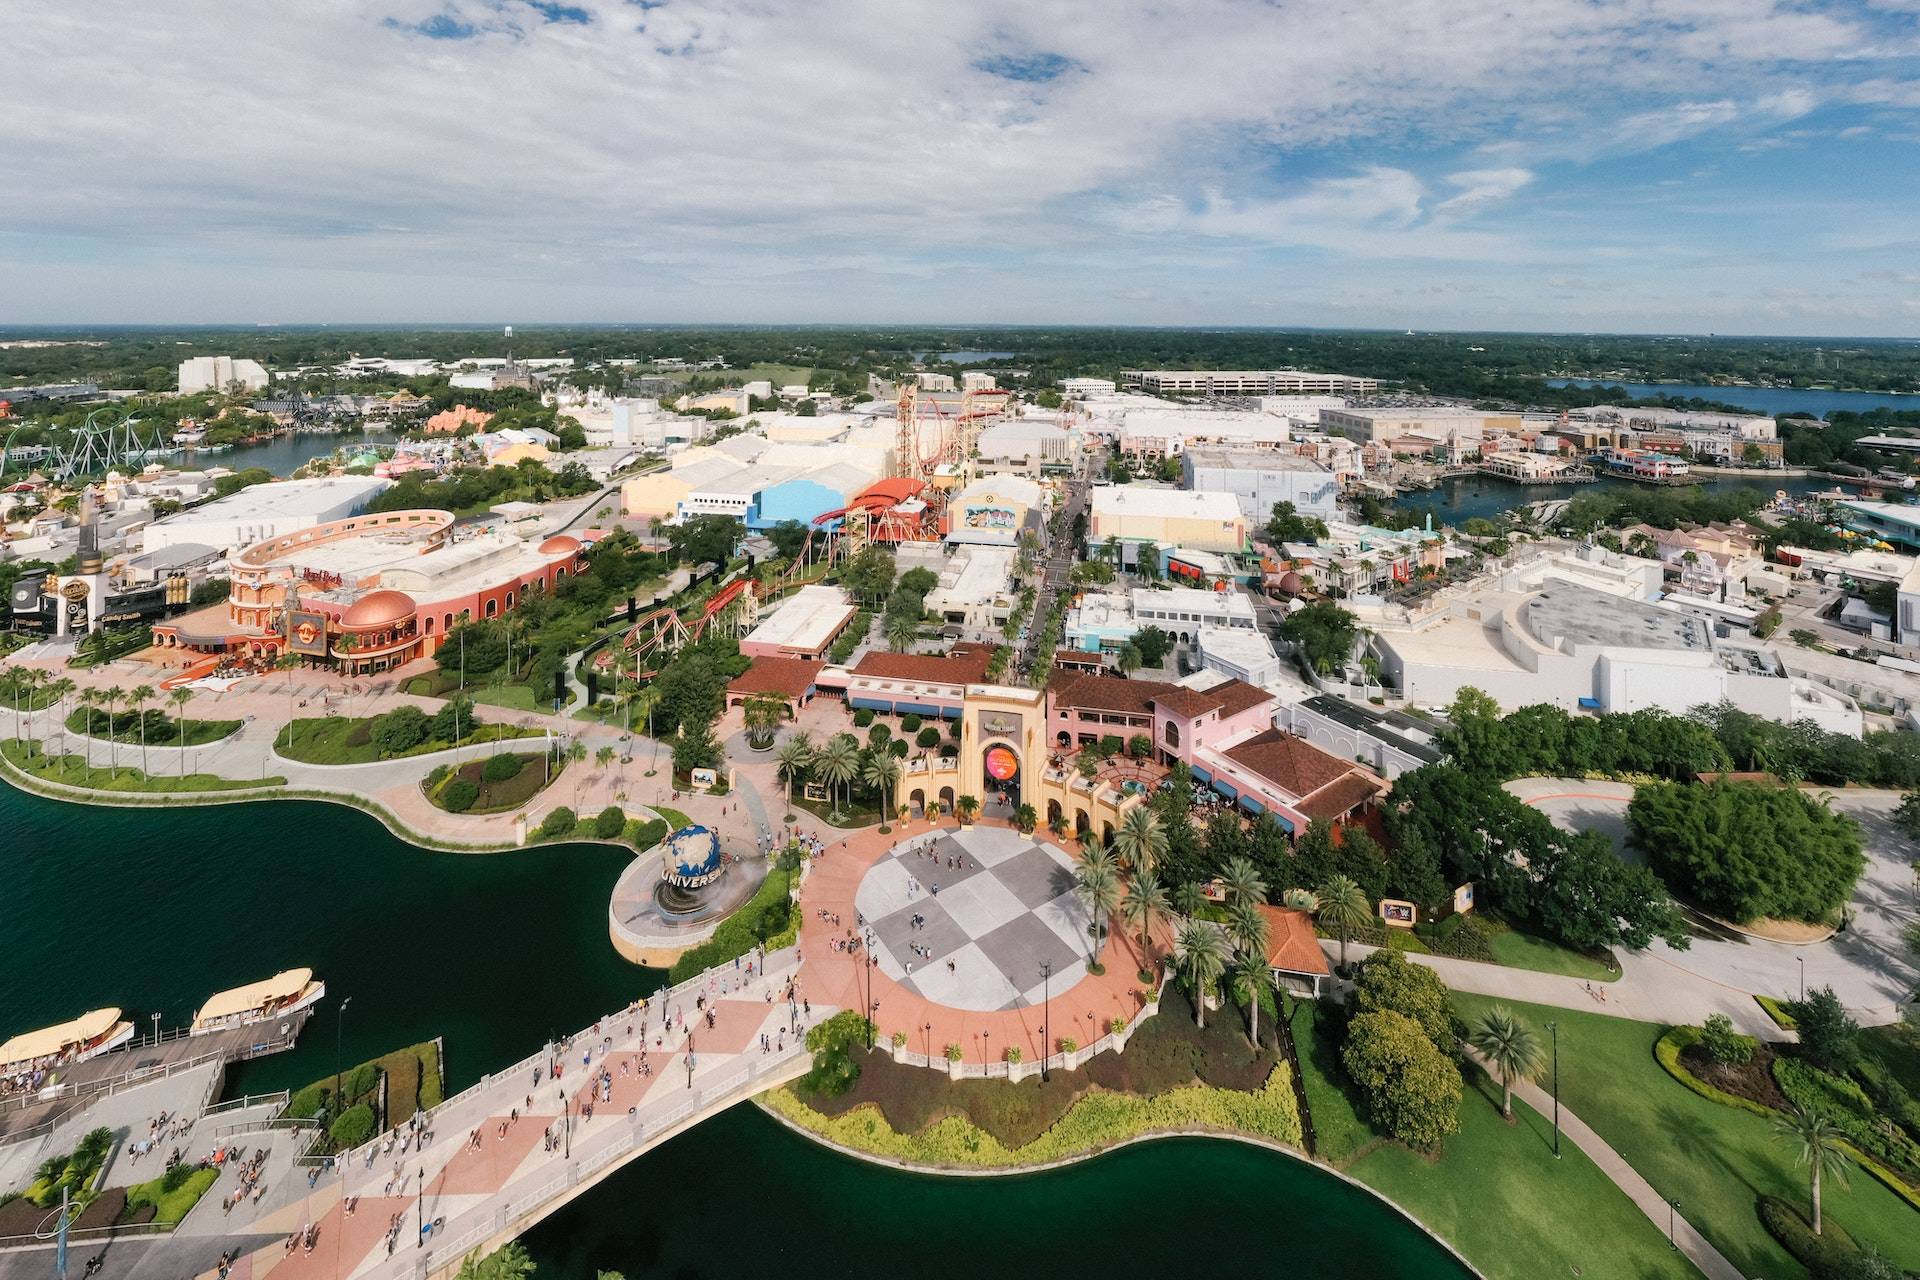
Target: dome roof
[
  {"x": 1291, "y": 584},
  {"x": 560, "y": 544},
  {"x": 378, "y": 609}
]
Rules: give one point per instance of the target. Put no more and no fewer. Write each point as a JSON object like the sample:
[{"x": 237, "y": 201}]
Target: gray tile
[
  {"x": 939, "y": 934},
  {"x": 1018, "y": 949},
  {"x": 1034, "y": 877}
]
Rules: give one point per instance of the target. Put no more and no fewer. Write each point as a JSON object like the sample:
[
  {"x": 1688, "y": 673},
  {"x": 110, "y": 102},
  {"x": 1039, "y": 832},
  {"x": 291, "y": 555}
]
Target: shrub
[
  {"x": 897, "y": 1039},
  {"x": 1139, "y": 746},
  {"x": 928, "y": 738},
  {"x": 460, "y": 795},
  {"x": 862, "y": 717},
  {"x": 1412, "y": 1089},
  {"x": 1012, "y": 1053},
  {"x": 647, "y": 834},
  {"x": 502, "y": 767},
  {"x": 175, "y": 1178},
  {"x": 354, "y": 1126},
  {"x": 878, "y": 734},
  {"x": 307, "y": 1103},
  {"x": 399, "y": 730},
  {"x": 559, "y": 822},
  {"x": 832, "y": 1044},
  {"x": 1843, "y": 1103},
  {"x": 610, "y": 822},
  {"x": 1388, "y": 980},
  {"x": 1827, "y": 1034},
  {"x": 1776, "y": 1010},
  {"x": 1667, "y": 1050},
  {"x": 766, "y": 914},
  {"x": 361, "y": 1081},
  {"x": 1828, "y": 1255},
  {"x": 953, "y": 1053},
  {"x": 1723, "y": 1044},
  {"x": 1068, "y": 1044},
  {"x": 910, "y": 723},
  {"x": 437, "y": 775},
  {"x": 953, "y": 729}
]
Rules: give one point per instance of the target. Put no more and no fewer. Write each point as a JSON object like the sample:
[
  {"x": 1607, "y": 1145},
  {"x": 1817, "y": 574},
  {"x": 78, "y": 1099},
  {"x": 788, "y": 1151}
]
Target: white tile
[
  {"x": 975, "y": 983},
  {"x": 1062, "y": 981},
  {"x": 991, "y": 846},
  {"x": 883, "y": 890},
  {"x": 981, "y": 904},
  {"x": 1069, "y": 921}
]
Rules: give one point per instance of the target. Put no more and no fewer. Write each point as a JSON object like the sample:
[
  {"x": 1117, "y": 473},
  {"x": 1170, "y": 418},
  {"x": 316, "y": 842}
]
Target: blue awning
[
  {"x": 1252, "y": 806},
  {"x": 1200, "y": 775},
  {"x": 1226, "y": 788},
  {"x": 1590, "y": 704}
]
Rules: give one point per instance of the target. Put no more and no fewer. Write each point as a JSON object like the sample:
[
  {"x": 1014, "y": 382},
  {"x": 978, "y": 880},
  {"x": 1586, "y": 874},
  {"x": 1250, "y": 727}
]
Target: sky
[{"x": 1728, "y": 166}]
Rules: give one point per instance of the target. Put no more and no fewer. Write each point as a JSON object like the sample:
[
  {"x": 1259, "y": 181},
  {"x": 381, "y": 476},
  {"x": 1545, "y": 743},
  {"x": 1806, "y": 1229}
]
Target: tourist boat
[
  {"x": 286, "y": 992},
  {"x": 87, "y": 1036}
]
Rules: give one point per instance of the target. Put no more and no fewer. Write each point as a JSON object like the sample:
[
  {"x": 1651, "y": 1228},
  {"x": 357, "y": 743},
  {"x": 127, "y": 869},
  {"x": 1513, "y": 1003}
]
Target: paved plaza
[{"x": 976, "y": 919}]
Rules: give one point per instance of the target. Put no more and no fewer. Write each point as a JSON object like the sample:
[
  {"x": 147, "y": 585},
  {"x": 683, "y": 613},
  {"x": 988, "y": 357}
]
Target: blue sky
[{"x": 1730, "y": 166}]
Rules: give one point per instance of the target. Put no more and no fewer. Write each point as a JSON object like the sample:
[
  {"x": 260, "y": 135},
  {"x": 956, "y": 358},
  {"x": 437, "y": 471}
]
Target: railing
[
  {"x": 279, "y": 1099},
  {"x": 84, "y": 1235},
  {"x": 1116, "y": 1041}
]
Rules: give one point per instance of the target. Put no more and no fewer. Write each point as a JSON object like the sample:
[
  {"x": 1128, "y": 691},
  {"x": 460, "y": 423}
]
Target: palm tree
[
  {"x": 137, "y": 701},
  {"x": 63, "y": 690},
  {"x": 112, "y": 696},
  {"x": 1816, "y": 1145},
  {"x": 838, "y": 763},
  {"x": 1058, "y": 825},
  {"x": 966, "y": 807},
  {"x": 576, "y": 752},
  {"x": 1203, "y": 958},
  {"x": 1140, "y": 841},
  {"x": 180, "y": 698},
  {"x": 1343, "y": 907},
  {"x": 88, "y": 700},
  {"x": 1188, "y": 898},
  {"x": 1111, "y": 547},
  {"x": 792, "y": 761},
  {"x": 1147, "y": 560},
  {"x": 1242, "y": 881},
  {"x": 1510, "y": 1047},
  {"x": 1302, "y": 900},
  {"x": 1248, "y": 929},
  {"x": 604, "y": 757},
  {"x": 1098, "y": 887},
  {"x": 1250, "y": 977},
  {"x": 762, "y": 716},
  {"x": 902, "y": 631},
  {"x": 1129, "y": 659},
  {"x": 1146, "y": 905},
  {"x": 882, "y": 773},
  {"x": 1026, "y": 818}
]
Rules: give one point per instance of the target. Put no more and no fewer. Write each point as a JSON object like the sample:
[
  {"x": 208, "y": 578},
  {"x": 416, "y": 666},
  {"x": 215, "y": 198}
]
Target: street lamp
[
  {"x": 1553, "y": 1029},
  {"x": 985, "y": 1037},
  {"x": 1046, "y": 1015},
  {"x": 1803, "y": 977},
  {"x": 156, "y": 1029},
  {"x": 339, "y": 1017},
  {"x": 928, "y": 1029},
  {"x": 1673, "y": 1210},
  {"x": 420, "y": 1211}
]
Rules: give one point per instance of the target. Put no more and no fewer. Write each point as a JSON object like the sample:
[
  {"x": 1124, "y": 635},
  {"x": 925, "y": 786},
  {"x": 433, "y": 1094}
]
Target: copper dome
[
  {"x": 560, "y": 544},
  {"x": 1291, "y": 584},
  {"x": 378, "y": 609}
]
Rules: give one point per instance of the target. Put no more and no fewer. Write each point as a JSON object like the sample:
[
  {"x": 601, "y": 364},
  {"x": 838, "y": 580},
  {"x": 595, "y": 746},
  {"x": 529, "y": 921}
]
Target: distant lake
[
  {"x": 282, "y": 455},
  {"x": 967, "y": 357},
  {"x": 1767, "y": 400}
]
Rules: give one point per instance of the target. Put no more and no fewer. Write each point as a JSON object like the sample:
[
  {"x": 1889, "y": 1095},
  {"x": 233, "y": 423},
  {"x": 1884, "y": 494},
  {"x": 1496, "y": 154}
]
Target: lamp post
[
  {"x": 1803, "y": 977},
  {"x": 927, "y": 1029},
  {"x": 566, "y": 1127},
  {"x": 1046, "y": 1016},
  {"x": 1673, "y": 1211},
  {"x": 156, "y": 1030},
  {"x": 985, "y": 1037},
  {"x": 420, "y": 1211},
  {"x": 1553, "y": 1029}
]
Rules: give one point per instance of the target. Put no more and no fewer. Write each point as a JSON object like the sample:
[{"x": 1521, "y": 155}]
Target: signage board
[
  {"x": 1002, "y": 764},
  {"x": 1398, "y": 912},
  {"x": 704, "y": 779},
  {"x": 307, "y": 634}
]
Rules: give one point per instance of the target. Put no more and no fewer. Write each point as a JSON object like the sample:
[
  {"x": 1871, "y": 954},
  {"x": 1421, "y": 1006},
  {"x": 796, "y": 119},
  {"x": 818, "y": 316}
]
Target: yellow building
[{"x": 1168, "y": 518}]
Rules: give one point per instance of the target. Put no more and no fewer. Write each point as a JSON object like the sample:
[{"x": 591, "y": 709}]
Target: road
[{"x": 1057, "y": 568}]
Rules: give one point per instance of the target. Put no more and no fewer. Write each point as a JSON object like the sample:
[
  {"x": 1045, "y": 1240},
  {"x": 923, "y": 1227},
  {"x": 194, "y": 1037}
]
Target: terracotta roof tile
[
  {"x": 966, "y": 664},
  {"x": 1292, "y": 764},
  {"x": 787, "y": 677},
  {"x": 1341, "y": 797},
  {"x": 1291, "y": 943}
]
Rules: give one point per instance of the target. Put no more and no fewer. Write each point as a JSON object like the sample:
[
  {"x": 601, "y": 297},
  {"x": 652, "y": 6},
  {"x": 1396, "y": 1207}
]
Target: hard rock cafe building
[{"x": 369, "y": 593}]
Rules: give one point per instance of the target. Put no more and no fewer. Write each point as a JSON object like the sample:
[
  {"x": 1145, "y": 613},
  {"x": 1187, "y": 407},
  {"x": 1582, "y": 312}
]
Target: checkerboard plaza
[{"x": 1004, "y": 912}]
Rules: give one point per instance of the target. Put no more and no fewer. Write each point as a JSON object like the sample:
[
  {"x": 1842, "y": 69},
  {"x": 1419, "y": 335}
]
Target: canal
[
  {"x": 1461, "y": 498},
  {"x": 154, "y": 910}
]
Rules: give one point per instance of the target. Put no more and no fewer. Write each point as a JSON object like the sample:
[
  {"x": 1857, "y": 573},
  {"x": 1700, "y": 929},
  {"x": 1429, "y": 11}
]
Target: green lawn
[
  {"x": 514, "y": 697},
  {"x": 171, "y": 1206},
  {"x": 1529, "y": 951},
  {"x": 1498, "y": 1195},
  {"x": 74, "y": 772},
  {"x": 339, "y": 740},
  {"x": 674, "y": 819},
  {"x": 1495, "y": 1193},
  {"x": 1897, "y": 1046},
  {"x": 1713, "y": 1158},
  {"x": 162, "y": 730}
]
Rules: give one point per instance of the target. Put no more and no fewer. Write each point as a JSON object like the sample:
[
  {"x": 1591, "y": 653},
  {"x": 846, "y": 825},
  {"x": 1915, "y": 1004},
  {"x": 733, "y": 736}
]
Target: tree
[
  {"x": 705, "y": 539},
  {"x": 1248, "y": 930},
  {"x": 695, "y": 747},
  {"x": 882, "y": 772},
  {"x": 869, "y": 576},
  {"x": 1323, "y": 633},
  {"x": 609, "y": 822},
  {"x": 1412, "y": 1089},
  {"x": 1241, "y": 879},
  {"x": 1817, "y": 1147},
  {"x": 1511, "y": 1049},
  {"x": 966, "y": 807},
  {"x": 1096, "y": 884},
  {"x": 1188, "y": 898},
  {"x": 180, "y": 698},
  {"x": 1026, "y": 817},
  {"x": 1287, "y": 525},
  {"x": 604, "y": 757},
  {"x": 509, "y": 1262},
  {"x": 838, "y": 763},
  {"x": 1203, "y": 958},
  {"x": 1745, "y": 850},
  {"x": 576, "y": 754},
  {"x": 1828, "y": 1035},
  {"x": 112, "y": 697},
  {"x": 1140, "y": 841},
  {"x": 902, "y": 630},
  {"x": 1128, "y": 659},
  {"x": 396, "y": 732},
  {"x": 762, "y": 716},
  {"x": 1153, "y": 644},
  {"x": 1145, "y": 905},
  {"x": 137, "y": 699},
  {"x": 1906, "y": 816},
  {"x": 1388, "y": 980},
  {"x": 1251, "y": 978},
  {"x": 1343, "y": 908},
  {"x": 792, "y": 761},
  {"x": 1147, "y": 562},
  {"x": 89, "y": 699},
  {"x": 1723, "y": 1044}
]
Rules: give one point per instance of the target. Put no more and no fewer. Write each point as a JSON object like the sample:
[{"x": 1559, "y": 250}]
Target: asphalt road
[{"x": 1058, "y": 565}]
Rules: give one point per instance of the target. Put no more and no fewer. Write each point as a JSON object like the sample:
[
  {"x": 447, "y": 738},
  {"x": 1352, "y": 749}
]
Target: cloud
[{"x": 1480, "y": 188}]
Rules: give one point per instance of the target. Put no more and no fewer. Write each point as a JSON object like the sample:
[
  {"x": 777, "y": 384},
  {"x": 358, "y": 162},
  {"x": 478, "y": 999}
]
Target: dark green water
[{"x": 155, "y": 910}]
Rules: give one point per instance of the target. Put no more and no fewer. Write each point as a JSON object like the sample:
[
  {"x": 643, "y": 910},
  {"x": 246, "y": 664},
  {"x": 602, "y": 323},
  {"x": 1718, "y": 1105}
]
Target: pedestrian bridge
[{"x": 625, "y": 1085}]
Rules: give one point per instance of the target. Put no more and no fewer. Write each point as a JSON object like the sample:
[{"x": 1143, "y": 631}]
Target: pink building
[{"x": 448, "y": 421}]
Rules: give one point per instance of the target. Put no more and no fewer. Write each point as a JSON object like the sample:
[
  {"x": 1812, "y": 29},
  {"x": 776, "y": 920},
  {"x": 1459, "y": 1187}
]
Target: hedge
[
  {"x": 354, "y": 1126},
  {"x": 1098, "y": 1120},
  {"x": 460, "y": 795},
  {"x": 644, "y": 835},
  {"x": 1776, "y": 1010},
  {"x": 1830, "y": 1250},
  {"x": 501, "y": 767},
  {"x": 558, "y": 822},
  {"x": 770, "y": 907},
  {"x": 1668, "y": 1048}
]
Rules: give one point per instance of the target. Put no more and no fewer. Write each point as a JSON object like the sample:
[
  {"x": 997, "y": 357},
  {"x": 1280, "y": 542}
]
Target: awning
[
  {"x": 29, "y": 1045},
  {"x": 285, "y": 985}
]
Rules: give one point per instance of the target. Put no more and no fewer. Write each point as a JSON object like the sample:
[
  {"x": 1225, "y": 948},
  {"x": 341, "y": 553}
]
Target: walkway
[{"x": 1685, "y": 1235}]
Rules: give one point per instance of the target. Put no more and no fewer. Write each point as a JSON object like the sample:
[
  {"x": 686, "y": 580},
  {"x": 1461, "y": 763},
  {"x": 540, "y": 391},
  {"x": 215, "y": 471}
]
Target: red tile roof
[
  {"x": 1139, "y": 697},
  {"x": 1341, "y": 797},
  {"x": 789, "y": 678},
  {"x": 1292, "y": 764},
  {"x": 966, "y": 664},
  {"x": 1291, "y": 943}
]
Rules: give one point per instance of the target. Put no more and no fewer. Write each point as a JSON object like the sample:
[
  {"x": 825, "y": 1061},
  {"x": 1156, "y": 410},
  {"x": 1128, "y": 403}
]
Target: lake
[
  {"x": 1766, "y": 400},
  {"x": 282, "y": 455},
  {"x": 1457, "y": 500},
  {"x": 155, "y": 909}
]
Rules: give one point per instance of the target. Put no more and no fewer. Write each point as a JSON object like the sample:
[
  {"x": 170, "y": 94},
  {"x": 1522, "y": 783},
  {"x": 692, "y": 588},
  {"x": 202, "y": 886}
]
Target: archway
[
  {"x": 1001, "y": 777},
  {"x": 917, "y": 802},
  {"x": 1054, "y": 813},
  {"x": 946, "y": 800},
  {"x": 1081, "y": 824}
]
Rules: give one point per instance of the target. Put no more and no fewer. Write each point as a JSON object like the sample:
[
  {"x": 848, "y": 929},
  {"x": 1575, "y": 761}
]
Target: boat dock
[{"x": 25, "y": 1114}]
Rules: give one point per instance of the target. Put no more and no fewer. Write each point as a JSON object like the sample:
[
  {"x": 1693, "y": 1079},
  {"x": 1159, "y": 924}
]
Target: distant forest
[{"x": 1490, "y": 368}]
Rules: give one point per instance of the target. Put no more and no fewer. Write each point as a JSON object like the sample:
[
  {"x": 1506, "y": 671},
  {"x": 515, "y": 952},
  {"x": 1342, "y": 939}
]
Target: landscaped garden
[
  {"x": 493, "y": 785},
  {"x": 163, "y": 1200},
  {"x": 74, "y": 771},
  {"x": 1715, "y": 1157},
  {"x": 404, "y": 731},
  {"x": 1174, "y": 1075},
  {"x": 147, "y": 727},
  {"x": 374, "y": 1096}
]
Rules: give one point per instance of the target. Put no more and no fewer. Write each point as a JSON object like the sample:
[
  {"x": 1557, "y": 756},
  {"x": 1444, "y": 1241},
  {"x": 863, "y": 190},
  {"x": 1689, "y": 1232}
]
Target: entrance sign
[{"x": 1398, "y": 912}]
